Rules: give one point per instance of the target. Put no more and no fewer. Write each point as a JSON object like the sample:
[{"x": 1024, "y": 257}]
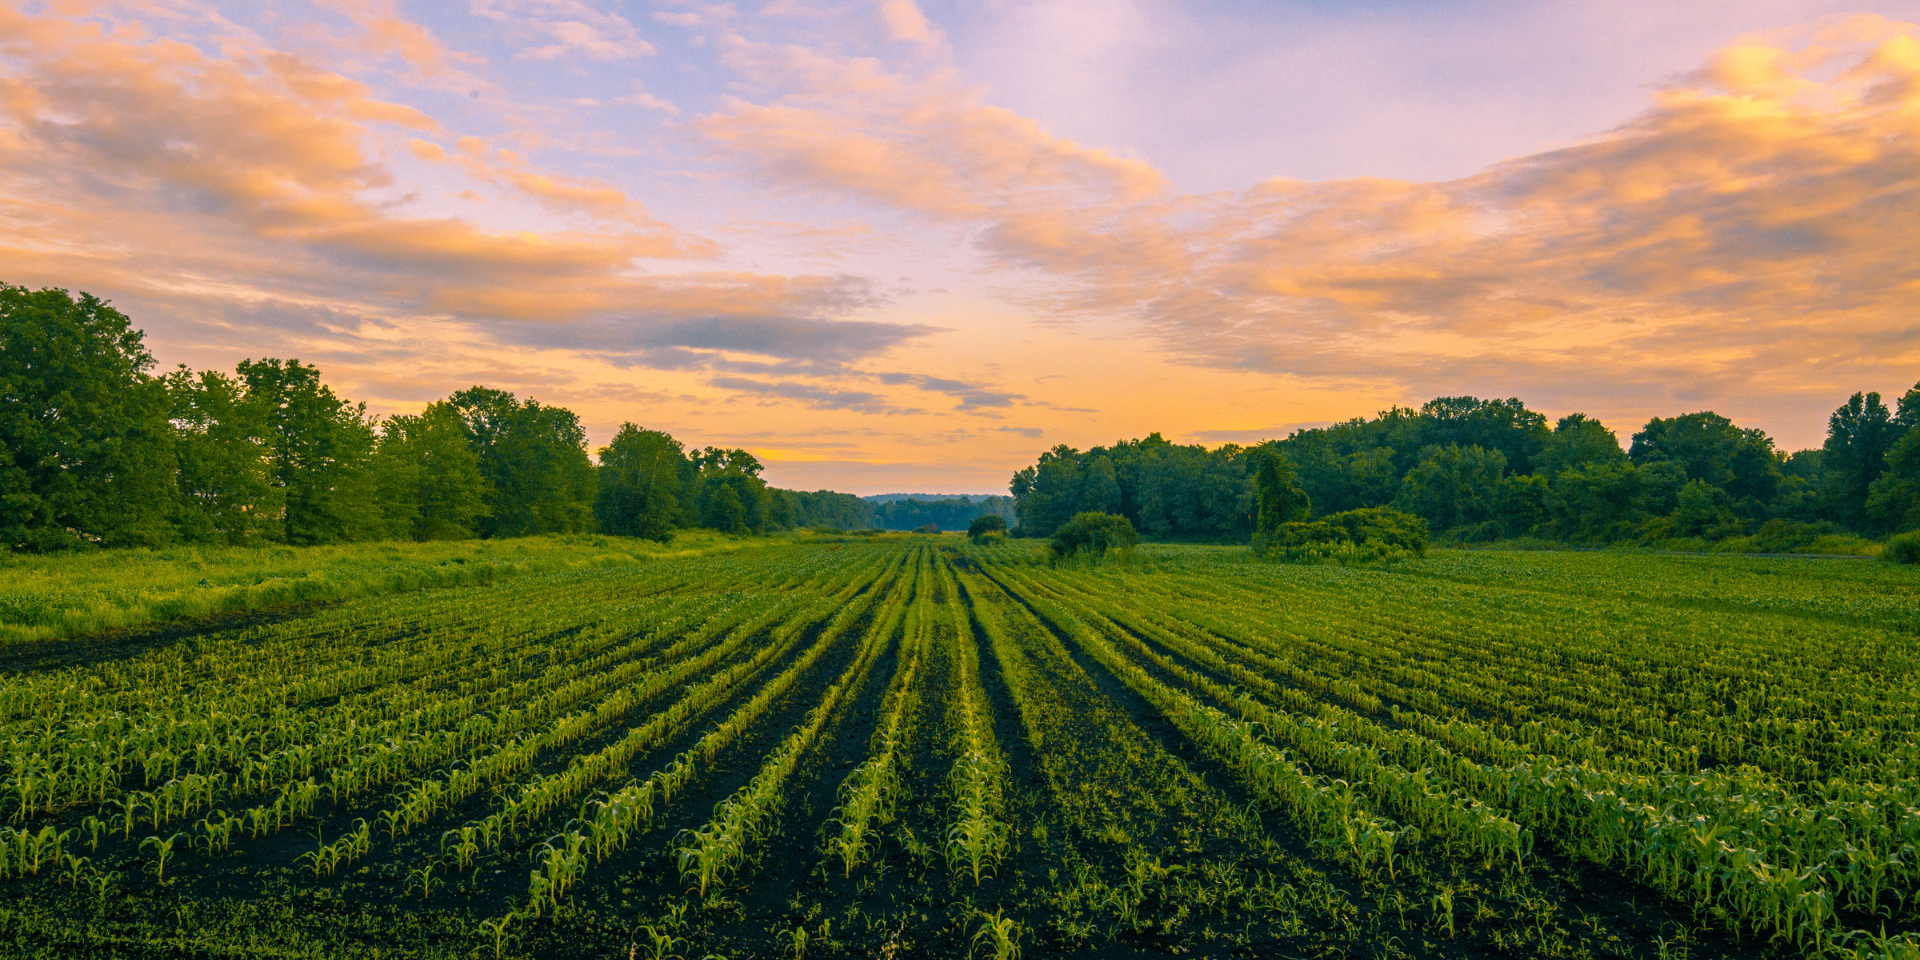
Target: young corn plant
[{"x": 162, "y": 852}]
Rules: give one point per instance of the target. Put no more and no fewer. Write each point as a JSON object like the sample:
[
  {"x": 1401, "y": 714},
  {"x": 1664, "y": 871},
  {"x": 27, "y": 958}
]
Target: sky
[{"x": 909, "y": 244}]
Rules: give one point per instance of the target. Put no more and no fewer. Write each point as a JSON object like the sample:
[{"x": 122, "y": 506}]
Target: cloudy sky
[{"x": 905, "y": 245}]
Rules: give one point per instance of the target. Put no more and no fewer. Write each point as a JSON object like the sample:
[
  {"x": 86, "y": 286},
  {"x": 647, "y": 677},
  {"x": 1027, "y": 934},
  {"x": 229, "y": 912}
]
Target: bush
[
  {"x": 1904, "y": 548},
  {"x": 1094, "y": 535},
  {"x": 927, "y": 528},
  {"x": 985, "y": 524},
  {"x": 1368, "y": 535}
]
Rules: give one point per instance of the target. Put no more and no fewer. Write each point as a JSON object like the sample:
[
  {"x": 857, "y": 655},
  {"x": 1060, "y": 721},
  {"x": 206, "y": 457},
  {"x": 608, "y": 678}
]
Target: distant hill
[{"x": 969, "y": 497}]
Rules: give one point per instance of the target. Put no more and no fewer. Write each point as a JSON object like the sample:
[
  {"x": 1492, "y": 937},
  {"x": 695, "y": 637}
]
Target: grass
[{"x": 45, "y": 597}]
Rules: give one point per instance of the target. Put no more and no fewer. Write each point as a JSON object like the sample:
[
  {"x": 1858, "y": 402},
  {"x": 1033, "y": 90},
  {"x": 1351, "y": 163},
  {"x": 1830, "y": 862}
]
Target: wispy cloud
[
  {"x": 567, "y": 28},
  {"x": 1758, "y": 218}
]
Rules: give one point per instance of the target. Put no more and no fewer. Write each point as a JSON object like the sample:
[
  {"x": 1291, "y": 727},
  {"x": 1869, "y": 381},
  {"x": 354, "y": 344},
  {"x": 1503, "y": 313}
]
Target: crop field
[{"x": 909, "y": 746}]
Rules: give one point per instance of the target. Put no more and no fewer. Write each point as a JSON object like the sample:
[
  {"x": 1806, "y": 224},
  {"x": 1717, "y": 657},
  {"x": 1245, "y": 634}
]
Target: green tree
[
  {"x": 319, "y": 452},
  {"x": 1099, "y": 487},
  {"x": 85, "y": 447},
  {"x": 1453, "y": 486},
  {"x": 733, "y": 470},
  {"x": 535, "y": 460},
  {"x": 825, "y": 508},
  {"x": 724, "y": 511},
  {"x": 1893, "y": 501},
  {"x": 1578, "y": 440},
  {"x": 1278, "y": 499},
  {"x": 1701, "y": 508},
  {"x": 639, "y": 487},
  {"x": 1046, "y": 494},
  {"x": 1711, "y": 448},
  {"x": 1521, "y": 503},
  {"x": 431, "y": 483},
  {"x": 1597, "y": 502},
  {"x": 222, "y": 453},
  {"x": 1506, "y": 426},
  {"x": 1893, "y": 498},
  {"x": 1860, "y": 434}
]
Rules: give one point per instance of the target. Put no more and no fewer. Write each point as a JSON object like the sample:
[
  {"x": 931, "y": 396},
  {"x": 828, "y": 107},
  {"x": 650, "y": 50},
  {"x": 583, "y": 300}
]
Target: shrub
[
  {"x": 985, "y": 524},
  {"x": 1904, "y": 548},
  {"x": 927, "y": 528},
  {"x": 1094, "y": 535},
  {"x": 1367, "y": 535}
]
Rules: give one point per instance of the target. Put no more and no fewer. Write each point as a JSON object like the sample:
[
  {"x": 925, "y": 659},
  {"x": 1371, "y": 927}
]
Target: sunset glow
[{"x": 900, "y": 247}]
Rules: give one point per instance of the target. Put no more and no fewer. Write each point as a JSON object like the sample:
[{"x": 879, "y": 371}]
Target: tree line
[
  {"x": 96, "y": 448},
  {"x": 947, "y": 513},
  {"x": 1481, "y": 470}
]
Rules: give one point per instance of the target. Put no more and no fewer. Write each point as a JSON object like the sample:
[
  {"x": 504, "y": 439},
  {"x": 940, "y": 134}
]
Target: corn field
[{"x": 910, "y": 746}]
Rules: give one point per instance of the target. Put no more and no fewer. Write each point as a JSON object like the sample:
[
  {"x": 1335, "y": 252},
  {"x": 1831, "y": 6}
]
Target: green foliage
[
  {"x": 221, "y": 445},
  {"x": 431, "y": 482},
  {"x": 825, "y": 508},
  {"x": 1164, "y": 489},
  {"x": 639, "y": 489},
  {"x": 85, "y": 446},
  {"x": 1522, "y": 504},
  {"x": 1893, "y": 499},
  {"x": 1364, "y": 536},
  {"x": 1453, "y": 486},
  {"x": 950, "y": 513},
  {"x": 1709, "y": 448},
  {"x": 1093, "y": 535},
  {"x": 728, "y": 491},
  {"x": 535, "y": 460},
  {"x": 724, "y": 511},
  {"x": 1904, "y": 548},
  {"x": 1860, "y": 434},
  {"x": 985, "y": 524},
  {"x": 1577, "y": 441},
  {"x": 319, "y": 454},
  {"x": 1278, "y": 499}
]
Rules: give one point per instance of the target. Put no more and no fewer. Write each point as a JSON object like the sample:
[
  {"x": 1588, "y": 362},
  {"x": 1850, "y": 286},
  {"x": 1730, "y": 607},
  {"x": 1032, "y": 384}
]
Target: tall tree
[
  {"x": 1893, "y": 498},
  {"x": 431, "y": 483},
  {"x": 730, "y": 486},
  {"x": 724, "y": 511},
  {"x": 1099, "y": 487},
  {"x": 1453, "y": 486},
  {"x": 1859, "y": 435},
  {"x": 1711, "y": 448},
  {"x": 639, "y": 487},
  {"x": 1893, "y": 502},
  {"x": 320, "y": 453},
  {"x": 85, "y": 446},
  {"x": 228, "y": 492},
  {"x": 1045, "y": 494},
  {"x": 535, "y": 460},
  {"x": 1578, "y": 440},
  {"x": 1278, "y": 499},
  {"x": 1507, "y": 426}
]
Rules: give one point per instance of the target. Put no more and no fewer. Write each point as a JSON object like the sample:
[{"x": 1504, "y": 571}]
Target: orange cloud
[
  {"x": 1763, "y": 211},
  {"x": 156, "y": 141}
]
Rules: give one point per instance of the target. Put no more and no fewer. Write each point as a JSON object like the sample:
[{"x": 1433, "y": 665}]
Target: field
[{"x": 909, "y": 746}]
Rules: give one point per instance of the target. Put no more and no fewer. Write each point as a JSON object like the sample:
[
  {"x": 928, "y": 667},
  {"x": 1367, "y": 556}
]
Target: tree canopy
[
  {"x": 1486, "y": 469},
  {"x": 95, "y": 449}
]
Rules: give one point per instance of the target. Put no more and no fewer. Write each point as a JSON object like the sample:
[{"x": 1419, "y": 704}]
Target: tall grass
[{"x": 47, "y": 597}]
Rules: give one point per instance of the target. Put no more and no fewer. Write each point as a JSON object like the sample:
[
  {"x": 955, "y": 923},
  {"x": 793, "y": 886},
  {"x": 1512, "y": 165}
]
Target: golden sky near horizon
[{"x": 891, "y": 247}]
